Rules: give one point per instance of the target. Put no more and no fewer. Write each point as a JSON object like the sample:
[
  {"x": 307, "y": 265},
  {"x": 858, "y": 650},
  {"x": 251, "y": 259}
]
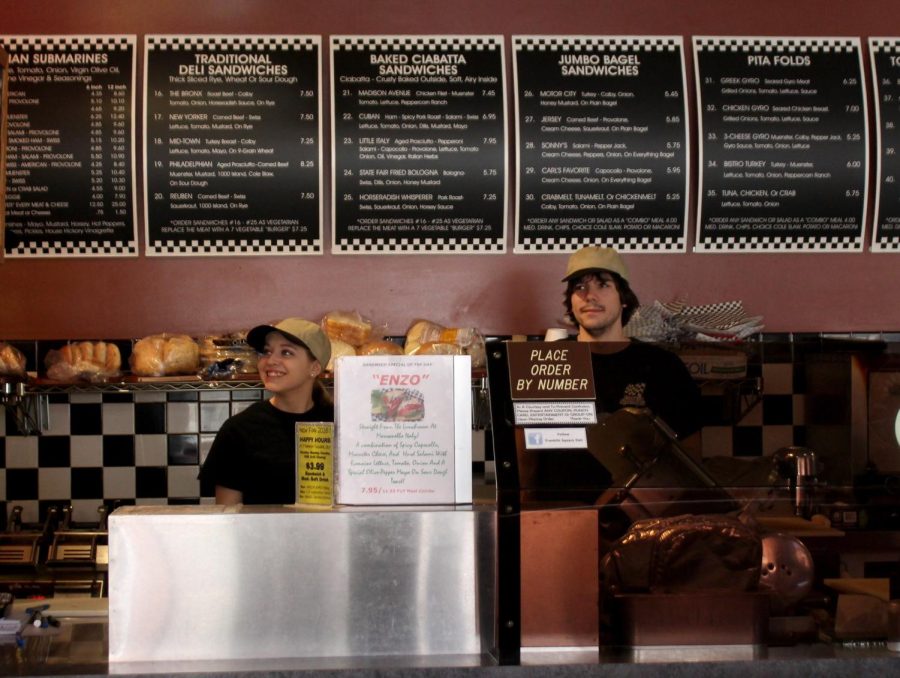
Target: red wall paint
[{"x": 500, "y": 294}]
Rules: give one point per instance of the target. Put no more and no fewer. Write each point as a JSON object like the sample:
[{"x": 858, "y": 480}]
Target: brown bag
[{"x": 683, "y": 553}]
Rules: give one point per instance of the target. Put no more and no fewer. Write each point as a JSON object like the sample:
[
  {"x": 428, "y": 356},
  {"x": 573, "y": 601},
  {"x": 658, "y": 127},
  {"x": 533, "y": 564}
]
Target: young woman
[{"x": 252, "y": 459}]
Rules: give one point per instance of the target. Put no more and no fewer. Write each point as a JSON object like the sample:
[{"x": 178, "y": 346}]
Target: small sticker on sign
[{"x": 555, "y": 438}]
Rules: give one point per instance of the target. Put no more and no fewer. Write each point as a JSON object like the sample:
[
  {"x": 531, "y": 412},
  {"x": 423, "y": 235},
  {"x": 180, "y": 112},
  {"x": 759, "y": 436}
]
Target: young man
[{"x": 600, "y": 301}]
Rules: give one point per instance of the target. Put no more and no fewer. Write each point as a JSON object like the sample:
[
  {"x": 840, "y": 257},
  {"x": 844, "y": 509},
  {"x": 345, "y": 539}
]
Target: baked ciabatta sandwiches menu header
[{"x": 418, "y": 144}]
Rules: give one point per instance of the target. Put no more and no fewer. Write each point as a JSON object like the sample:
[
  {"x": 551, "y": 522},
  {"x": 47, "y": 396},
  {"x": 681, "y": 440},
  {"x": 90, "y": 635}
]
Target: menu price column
[
  {"x": 418, "y": 144},
  {"x": 70, "y": 162},
  {"x": 602, "y": 138},
  {"x": 784, "y": 144},
  {"x": 232, "y": 145},
  {"x": 885, "y": 59}
]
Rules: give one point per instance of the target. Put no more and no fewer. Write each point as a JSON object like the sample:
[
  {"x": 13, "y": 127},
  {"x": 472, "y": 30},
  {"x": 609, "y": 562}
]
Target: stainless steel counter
[{"x": 235, "y": 583}]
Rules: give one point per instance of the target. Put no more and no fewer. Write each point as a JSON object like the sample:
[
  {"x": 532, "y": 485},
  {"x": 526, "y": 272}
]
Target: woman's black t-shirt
[{"x": 254, "y": 453}]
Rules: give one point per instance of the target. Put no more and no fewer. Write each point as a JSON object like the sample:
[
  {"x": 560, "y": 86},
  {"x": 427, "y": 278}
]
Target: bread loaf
[
  {"x": 349, "y": 327},
  {"x": 165, "y": 354},
  {"x": 339, "y": 349},
  {"x": 425, "y": 337},
  {"x": 438, "y": 348},
  {"x": 84, "y": 360},
  {"x": 421, "y": 332},
  {"x": 12, "y": 361},
  {"x": 227, "y": 353},
  {"x": 379, "y": 348}
]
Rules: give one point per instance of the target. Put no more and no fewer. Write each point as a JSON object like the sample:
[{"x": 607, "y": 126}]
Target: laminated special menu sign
[{"x": 404, "y": 430}]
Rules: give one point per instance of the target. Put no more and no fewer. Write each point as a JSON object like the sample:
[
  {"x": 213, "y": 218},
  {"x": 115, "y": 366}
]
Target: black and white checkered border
[
  {"x": 885, "y": 45},
  {"x": 715, "y": 44},
  {"x": 418, "y": 246},
  {"x": 599, "y": 43},
  {"x": 718, "y": 315},
  {"x": 74, "y": 249},
  {"x": 414, "y": 42},
  {"x": 231, "y": 42},
  {"x": 780, "y": 244},
  {"x": 883, "y": 245},
  {"x": 64, "y": 43},
  {"x": 231, "y": 247},
  {"x": 622, "y": 243}
]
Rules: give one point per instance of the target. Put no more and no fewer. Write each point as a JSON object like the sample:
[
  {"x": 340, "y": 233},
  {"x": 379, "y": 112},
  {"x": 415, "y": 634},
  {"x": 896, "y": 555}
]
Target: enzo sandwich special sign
[{"x": 404, "y": 430}]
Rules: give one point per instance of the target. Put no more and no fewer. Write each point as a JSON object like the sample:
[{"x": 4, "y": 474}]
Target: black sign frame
[
  {"x": 409, "y": 86},
  {"x": 602, "y": 139},
  {"x": 78, "y": 146},
  {"x": 819, "y": 87},
  {"x": 884, "y": 57},
  {"x": 250, "y": 184}
]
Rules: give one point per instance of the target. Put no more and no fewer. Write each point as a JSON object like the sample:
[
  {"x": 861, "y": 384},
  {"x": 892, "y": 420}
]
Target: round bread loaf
[{"x": 165, "y": 354}]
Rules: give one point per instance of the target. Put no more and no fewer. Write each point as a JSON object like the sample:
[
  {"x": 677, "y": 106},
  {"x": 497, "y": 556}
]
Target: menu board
[
  {"x": 885, "y": 59},
  {"x": 418, "y": 144},
  {"x": 232, "y": 145},
  {"x": 602, "y": 139},
  {"x": 4, "y": 73},
  {"x": 70, "y": 158},
  {"x": 784, "y": 144}
]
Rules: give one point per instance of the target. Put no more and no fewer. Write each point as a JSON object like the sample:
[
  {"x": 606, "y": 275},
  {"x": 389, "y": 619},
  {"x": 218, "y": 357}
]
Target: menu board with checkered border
[
  {"x": 70, "y": 158},
  {"x": 232, "y": 145},
  {"x": 602, "y": 140},
  {"x": 418, "y": 144},
  {"x": 885, "y": 59},
  {"x": 783, "y": 144}
]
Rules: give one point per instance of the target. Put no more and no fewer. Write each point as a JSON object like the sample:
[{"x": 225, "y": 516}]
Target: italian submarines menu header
[
  {"x": 70, "y": 160},
  {"x": 418, "y": 144},
  {"x": 232, "y": 145},
  {"x": 602, "y": 139},
  {"x": 885, "y": 58},
  {"x": 784, "y": 150}
]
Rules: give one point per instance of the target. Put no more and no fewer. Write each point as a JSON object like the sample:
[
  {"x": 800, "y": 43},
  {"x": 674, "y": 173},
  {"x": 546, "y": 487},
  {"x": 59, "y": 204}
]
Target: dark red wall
[{"x": 501, "y": 294}]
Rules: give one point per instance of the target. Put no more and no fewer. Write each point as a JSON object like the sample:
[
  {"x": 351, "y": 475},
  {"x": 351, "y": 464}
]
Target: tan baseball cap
[
  {"x": 300, "y": 331},
  {"x": 593, "y": 258}
]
